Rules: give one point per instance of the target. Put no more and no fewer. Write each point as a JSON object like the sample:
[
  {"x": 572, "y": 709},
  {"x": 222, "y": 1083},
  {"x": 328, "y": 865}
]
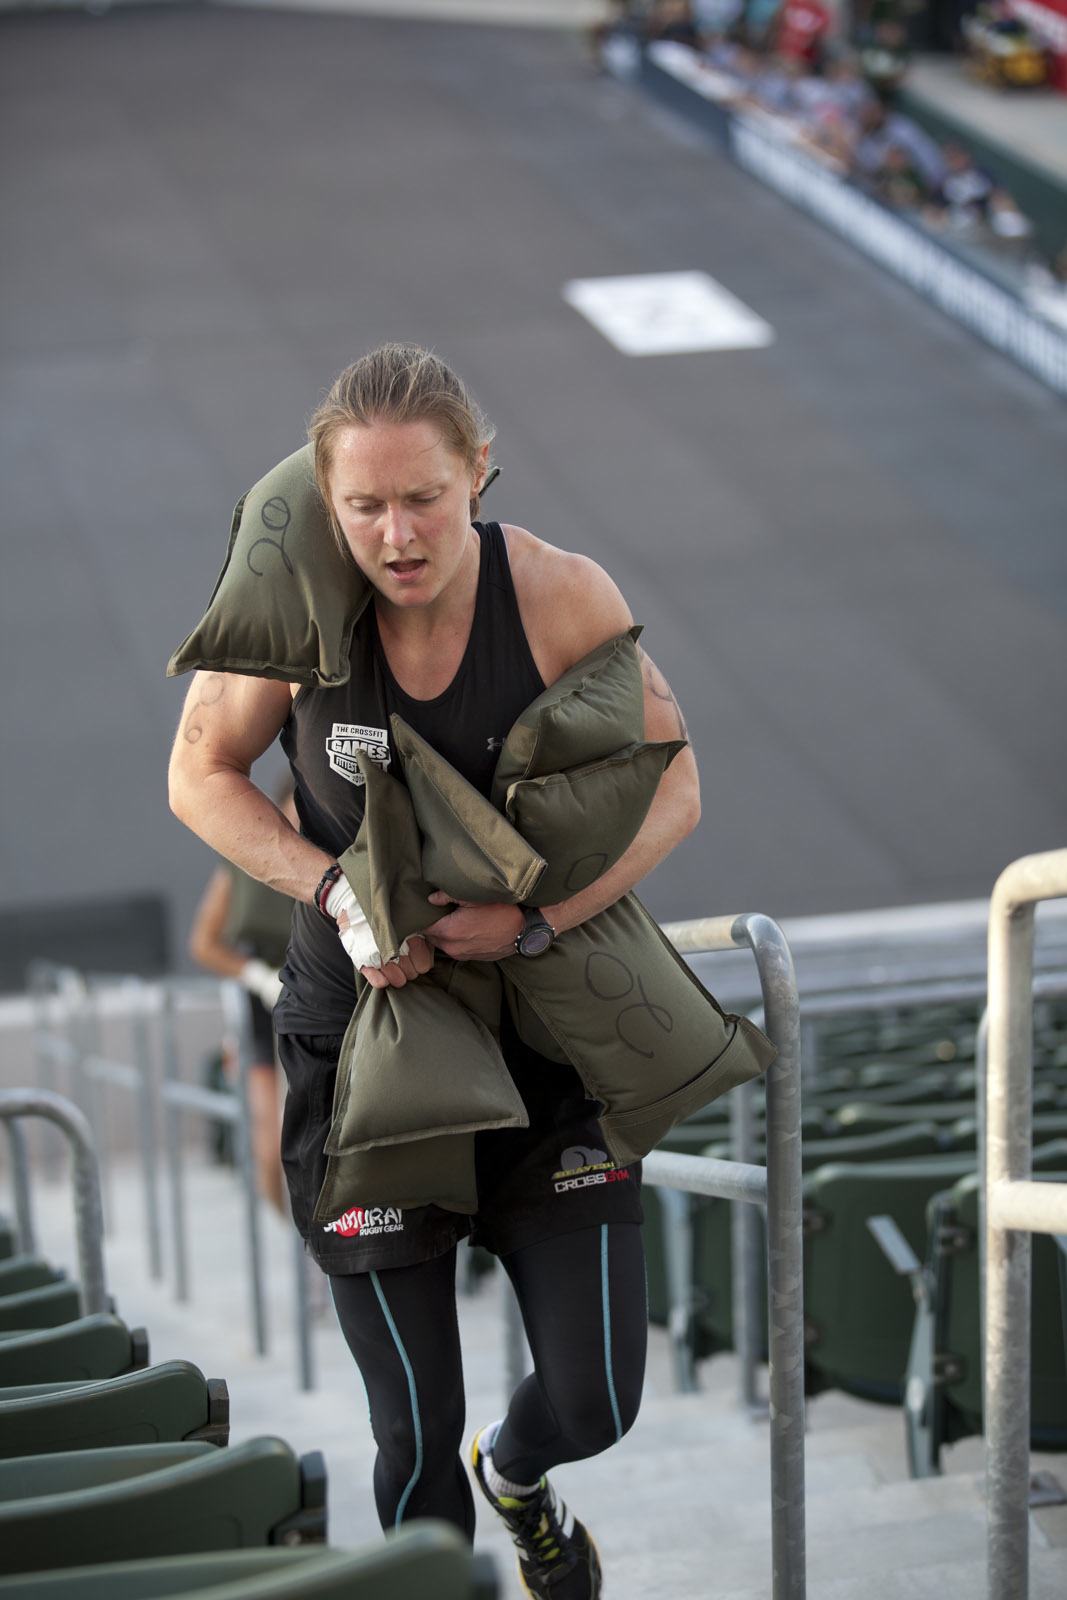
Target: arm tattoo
[
  {"x": 212, "y": 690},
  {"x": 662, "y": 690}
]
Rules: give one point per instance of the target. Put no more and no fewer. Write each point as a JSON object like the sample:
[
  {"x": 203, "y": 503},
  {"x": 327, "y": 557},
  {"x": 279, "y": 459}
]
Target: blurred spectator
[
  {"x": 1004, "y": 51},
  {"x": 881, "y": 130},
  {"x": 965, "y": 190},
  {"x": 800, "y": 30},
  {"x": 715, "y": 19},
  {"x": 760, "y": 16},
  {"x": 673, "y": 21},
  {"x": 900, "y": 181},
  {"x": 884, "y": 56},
  {"x": 1010, "y": 229},
  {"x": 625, "y": 18},
  {"x": 775, "y": 87},
  {"x": 834, "y": 104}
]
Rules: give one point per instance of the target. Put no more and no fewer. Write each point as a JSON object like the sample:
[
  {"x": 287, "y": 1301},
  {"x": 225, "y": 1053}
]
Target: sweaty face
[{"x": 401, "y": 496}]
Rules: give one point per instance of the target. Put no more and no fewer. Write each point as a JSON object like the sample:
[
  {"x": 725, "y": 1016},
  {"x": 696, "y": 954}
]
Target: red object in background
[
  {"x": 802, "y": 26},
  {"x": 1047, "y": 21}
]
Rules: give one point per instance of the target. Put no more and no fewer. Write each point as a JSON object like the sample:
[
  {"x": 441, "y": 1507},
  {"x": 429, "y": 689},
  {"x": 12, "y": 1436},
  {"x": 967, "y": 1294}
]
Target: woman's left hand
[{"x": 474, "y": 932}]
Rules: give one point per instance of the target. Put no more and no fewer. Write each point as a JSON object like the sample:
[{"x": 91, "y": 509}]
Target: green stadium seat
[
  {"x": 859, "y": 1312},
  {"x": 918, "y": 1089},
  {"x": 865, "y": 1116},
  {"x": 8, "y": 1239},
  {"x": 943, "y": 1394},
  {"x": 256, "y": 1493},
  {"x": 67, "y": 1470},
  {"x": 100, "y": 1346},
  {"x": 48, "y": 1307},
  {"x": 426, "y": 1561},
  {"x": 155, "y": 1405},
  {"x": 19, "y": 1273}
]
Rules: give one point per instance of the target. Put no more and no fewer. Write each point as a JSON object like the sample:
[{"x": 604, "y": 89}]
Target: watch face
[{"x": 535, "y": 941}]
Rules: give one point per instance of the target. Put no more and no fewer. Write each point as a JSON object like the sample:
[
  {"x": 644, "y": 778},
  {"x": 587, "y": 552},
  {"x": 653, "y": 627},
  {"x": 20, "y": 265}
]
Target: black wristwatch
[{"x": 537, "y": 934}]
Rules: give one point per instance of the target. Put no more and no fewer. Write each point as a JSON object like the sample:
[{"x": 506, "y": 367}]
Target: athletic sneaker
[{"x": 557, "y": 1558}]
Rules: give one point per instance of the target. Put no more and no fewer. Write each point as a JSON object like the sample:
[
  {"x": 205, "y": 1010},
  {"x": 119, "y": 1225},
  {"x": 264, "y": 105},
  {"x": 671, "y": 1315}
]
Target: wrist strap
[{"x": 322, "y": 893}]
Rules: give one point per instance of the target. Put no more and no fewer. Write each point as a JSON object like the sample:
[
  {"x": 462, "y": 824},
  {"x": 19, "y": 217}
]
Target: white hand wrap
[
  {"x": 262, "y": 981},
  {"x": 357, "y": 938}
]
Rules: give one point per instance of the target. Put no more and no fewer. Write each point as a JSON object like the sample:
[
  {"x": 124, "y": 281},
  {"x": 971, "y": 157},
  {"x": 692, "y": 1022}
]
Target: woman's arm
[
  {"x": 229, "y": 720},
  {"x": 672, "y": 816}
]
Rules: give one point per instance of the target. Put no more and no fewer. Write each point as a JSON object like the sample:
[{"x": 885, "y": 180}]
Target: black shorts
[
  {"x": 552, "y": 1177},
  {"x": 262, "y": 1033}
]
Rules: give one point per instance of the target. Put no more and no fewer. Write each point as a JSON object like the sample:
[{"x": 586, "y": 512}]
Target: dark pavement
[{"x": 848, "y": 549}]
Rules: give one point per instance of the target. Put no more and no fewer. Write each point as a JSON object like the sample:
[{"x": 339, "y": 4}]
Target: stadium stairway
[{"x": 680, "y": 1509}]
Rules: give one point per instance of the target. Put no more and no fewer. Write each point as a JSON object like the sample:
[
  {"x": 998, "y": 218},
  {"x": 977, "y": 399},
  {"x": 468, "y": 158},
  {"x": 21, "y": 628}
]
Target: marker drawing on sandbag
[
  {"x": 276, "y": 517},
  {"x": 601, "y": 991}
]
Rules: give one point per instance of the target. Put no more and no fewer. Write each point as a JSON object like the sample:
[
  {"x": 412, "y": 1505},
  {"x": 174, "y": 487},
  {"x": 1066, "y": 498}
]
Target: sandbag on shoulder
[
  {"x": 426, "y": 1172},
  {"x": 287, "y": 600},
  {"x": 469, "y": 849},
  {"x": 644, "y": 1035},
  {"x": 416, "y": 1063},
  {"x": 593, "y": 710},
  {"x": 584, "y": 819}
]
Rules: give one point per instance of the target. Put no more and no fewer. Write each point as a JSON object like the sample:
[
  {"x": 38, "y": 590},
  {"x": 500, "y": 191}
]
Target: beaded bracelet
[{"x": 322, "y": 893}]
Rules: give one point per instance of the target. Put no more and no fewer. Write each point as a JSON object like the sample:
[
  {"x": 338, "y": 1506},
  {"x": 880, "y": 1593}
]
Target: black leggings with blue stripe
[{"x": 583, "y": 1303}]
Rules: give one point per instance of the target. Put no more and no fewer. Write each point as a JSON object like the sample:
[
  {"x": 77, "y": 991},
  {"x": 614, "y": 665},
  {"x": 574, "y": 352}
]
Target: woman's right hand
[{"x": 394, "y": 974}]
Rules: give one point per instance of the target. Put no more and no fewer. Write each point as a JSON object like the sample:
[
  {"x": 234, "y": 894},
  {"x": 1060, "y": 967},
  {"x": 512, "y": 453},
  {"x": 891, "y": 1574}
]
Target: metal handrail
[
  {"x": 88, "y": 1205},
  {"x": 778, "y": 1186},
  {"x": 1015, "y": 1207},
  {"x": 157, "y": 1092}
]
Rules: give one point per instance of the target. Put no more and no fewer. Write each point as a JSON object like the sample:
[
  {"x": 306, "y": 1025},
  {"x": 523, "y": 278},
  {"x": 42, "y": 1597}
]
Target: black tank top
[{"x": 496, "y": 680}]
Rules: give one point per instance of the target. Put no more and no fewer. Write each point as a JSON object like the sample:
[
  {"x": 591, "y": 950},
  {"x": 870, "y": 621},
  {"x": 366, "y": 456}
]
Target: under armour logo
[{"x": 494, "y": 744}]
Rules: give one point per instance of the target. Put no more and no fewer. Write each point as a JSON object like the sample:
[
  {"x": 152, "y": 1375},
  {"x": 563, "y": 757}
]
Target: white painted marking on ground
[{"x": 666, "y": 313}]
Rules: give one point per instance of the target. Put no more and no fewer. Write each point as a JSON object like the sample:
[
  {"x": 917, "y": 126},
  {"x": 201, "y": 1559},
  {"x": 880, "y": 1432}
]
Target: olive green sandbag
[
  {"x": 437, "y": 1171},
  {"x": 286, "y": 600},
  {"x": 469, "y": 849},
  {"x": 420, "y": 1060},
  {"x": 416, "y": 1063},
  {"x": 383, "y": 864},
  {"x": 644, "y": 1035},
  {"x": 592, "y": 711},
  {"x": 584, "y": 819}
]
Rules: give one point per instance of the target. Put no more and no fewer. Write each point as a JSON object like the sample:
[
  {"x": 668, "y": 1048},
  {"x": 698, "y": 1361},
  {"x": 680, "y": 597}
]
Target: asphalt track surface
[{"x": 848, "y": 549}]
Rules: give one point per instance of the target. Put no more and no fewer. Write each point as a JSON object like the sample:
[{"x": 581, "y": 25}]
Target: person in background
[
  {"x": 801, "y": 30},
  {"x": 880, "y": 130},
  {"x": 962, "y": 198},
  {"x": 671, "y": 21},
  {"x": 241, "y": 930},
  {"x": 899, "y": 181}
]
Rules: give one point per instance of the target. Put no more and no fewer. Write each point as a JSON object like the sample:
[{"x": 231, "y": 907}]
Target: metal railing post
[
  {"x": 172, "y": 1136},
  {"x": 779, "y": 1187},
  {"x": 88, "y": 1209},
  {"x": 147, "y": 1099},
  {"x": 237, "y": 1015},
  {"x": 305, "y": 1354},
  {"x": 1012, "y": 1210},
  {"x": 676, "y": 1209},
  {"x": 746, "y": 1249},
  {"x": 20, "y": 1183},
  {"x": 785, "y": 1254}
]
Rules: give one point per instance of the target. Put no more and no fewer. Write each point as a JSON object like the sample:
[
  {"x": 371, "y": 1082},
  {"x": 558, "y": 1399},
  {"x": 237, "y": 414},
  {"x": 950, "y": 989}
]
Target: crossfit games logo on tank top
[{"x": 346, "y": 739}]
